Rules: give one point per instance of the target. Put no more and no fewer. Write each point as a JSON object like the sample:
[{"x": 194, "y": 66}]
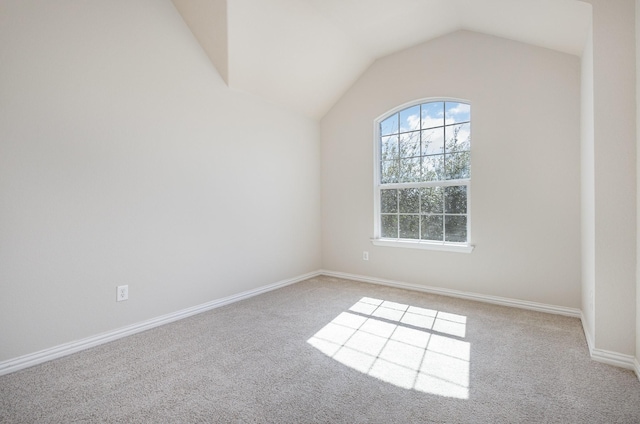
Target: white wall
[
  {"x": 637, "y": 22},
  {"x": 207, "y": 20},
  {"x": 588, "y": 205},
  {"x": 124, "y": 159},
  {"x": 614, "y": 194},
  {"x": 525, "y": 201},
  {"x": 119, "y": 144}
]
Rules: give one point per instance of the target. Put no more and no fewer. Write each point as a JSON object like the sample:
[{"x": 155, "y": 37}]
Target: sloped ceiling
[{"x": 304, "y": 54}]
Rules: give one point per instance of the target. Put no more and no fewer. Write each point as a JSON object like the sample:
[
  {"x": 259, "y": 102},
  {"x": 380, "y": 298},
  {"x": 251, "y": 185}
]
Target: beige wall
[
  {"x": 637, "y": 356},
  {"x": 124, "y": 159},
  {"x": 525, "y": 198},
  {"x": 588, "y": 220},
  {"x": 614, "y": 177},
  {"x": 207, "y": 20}
]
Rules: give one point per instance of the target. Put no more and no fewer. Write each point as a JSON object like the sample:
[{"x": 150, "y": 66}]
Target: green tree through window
[{"x": 423, "y": 179}]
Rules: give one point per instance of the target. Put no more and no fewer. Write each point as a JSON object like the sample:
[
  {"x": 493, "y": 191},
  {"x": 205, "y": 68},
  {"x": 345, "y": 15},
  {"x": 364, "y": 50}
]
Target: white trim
[
  {"x": 587, "y": 333},
  {"x": 25, "y": 361},
  {"x": 606, "y": 356},
  {"x": 515, "y": 303},
  {"x": 425, "y": 245},
  {"x": 417, "y": 102},
  {"x": 438, "y": 183},
  {"x": 378, "y": 186},
  {"x": 613, "y": 358},
  {"x": 598, "y": 355},
  {"x": 65, "y": 349}
]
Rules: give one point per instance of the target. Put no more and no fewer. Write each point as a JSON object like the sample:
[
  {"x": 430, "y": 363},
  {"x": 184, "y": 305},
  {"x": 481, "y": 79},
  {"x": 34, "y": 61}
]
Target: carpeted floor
[{"x": 329, "y": 350}]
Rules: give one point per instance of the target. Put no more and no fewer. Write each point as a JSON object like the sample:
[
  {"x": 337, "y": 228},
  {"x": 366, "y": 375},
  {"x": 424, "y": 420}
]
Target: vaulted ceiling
[{"x": 304, "y": 54}]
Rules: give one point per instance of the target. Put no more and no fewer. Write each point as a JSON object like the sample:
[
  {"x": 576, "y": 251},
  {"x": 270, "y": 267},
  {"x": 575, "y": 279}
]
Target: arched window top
[{"x": 425, "y": 115}]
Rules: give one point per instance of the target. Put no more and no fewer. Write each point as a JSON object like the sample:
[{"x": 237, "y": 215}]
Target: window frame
[{"x": 378, "y": 186}]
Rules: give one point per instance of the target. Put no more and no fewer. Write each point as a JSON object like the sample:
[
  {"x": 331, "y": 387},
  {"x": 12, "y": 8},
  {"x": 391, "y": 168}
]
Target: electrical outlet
[
  {"x": 365, "y": 256},
  {"x": 122, "y": 293}
]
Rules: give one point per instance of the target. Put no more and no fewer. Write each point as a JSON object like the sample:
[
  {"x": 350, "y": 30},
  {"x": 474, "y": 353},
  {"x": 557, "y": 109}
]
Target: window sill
[{"x": 425, "y": 245}]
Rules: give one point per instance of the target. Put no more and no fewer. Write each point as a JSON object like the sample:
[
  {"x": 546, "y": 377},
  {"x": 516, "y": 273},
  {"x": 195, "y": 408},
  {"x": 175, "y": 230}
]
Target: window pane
[
  {"x": 431, "y": 200},
  {"x": 410, "y": 144},
  {"x": 429, "y": 143},
  {"x": 410, "y": 226},
  {"x": 457, "y": 165},
  {"x": 389, "y": 201},
  {"x": 457, "y": 112},
  {"x": 409, "y": 200},
  {"x": 389, "y": 125},
  {"x": 410, "y": 119},
  {"x": 390, "y": 226},
  {"x": 432, "y": 227},
  {"x": 389, "y": 147},
  {"x": 409, "y": 170},
  {"x": 433, "y": 141},
  {"x": 458, "y": 138},
  {"x": 389, "y": 171},
  {"x": 433, "y": 168},
  {"x": 455, "y": 228},
  {"x": 455, "y": 199},
  {"x": 432, "y": 114}
]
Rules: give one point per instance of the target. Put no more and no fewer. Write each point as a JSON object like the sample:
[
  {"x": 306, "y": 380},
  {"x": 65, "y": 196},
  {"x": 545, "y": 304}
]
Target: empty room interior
[{"x": 319, "y": 211}]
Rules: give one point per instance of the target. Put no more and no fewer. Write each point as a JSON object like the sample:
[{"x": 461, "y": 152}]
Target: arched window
[{"x": 422, "y": 177}]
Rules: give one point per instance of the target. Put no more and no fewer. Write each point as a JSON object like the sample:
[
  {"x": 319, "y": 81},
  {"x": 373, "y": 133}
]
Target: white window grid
[{"x": 378, "y": 186}]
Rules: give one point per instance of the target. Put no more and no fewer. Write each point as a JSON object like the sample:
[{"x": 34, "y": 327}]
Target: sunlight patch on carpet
[{"x": 409, "y": 347}]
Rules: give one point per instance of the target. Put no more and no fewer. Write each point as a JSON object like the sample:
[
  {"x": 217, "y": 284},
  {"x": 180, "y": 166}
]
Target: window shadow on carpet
[{"x": 407, "y": 346}]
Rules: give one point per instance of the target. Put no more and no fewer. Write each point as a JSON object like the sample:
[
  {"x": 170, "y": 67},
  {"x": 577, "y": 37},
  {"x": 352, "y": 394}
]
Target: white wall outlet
[
  {"x": 122, "y": 293},
  {"x": 365, "y": 256}
]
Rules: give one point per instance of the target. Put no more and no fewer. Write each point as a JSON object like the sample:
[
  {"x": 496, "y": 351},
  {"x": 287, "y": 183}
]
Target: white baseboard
[
  {"x": 607, "y": 356},
  {"x": 522, "y": 304},
  {"x": 45, "y": 355},
  {"x": 614, "y": 358},
  {"x": 587, "y": 333},
  {"x": 599, "y": 355},
  {"x": 25, "y": 361}
]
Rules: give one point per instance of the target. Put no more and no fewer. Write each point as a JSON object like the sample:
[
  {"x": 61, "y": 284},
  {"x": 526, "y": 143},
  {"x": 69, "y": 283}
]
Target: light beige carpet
[{"x": 329, "y": 350}]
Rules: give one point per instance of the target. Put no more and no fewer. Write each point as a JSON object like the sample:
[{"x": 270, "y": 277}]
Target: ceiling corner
[{"x": 207, "y": 20}]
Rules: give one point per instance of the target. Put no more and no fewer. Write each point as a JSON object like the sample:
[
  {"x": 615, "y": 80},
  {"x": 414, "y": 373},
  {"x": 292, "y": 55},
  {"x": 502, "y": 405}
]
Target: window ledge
[{"x": 425, "y": 245}]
